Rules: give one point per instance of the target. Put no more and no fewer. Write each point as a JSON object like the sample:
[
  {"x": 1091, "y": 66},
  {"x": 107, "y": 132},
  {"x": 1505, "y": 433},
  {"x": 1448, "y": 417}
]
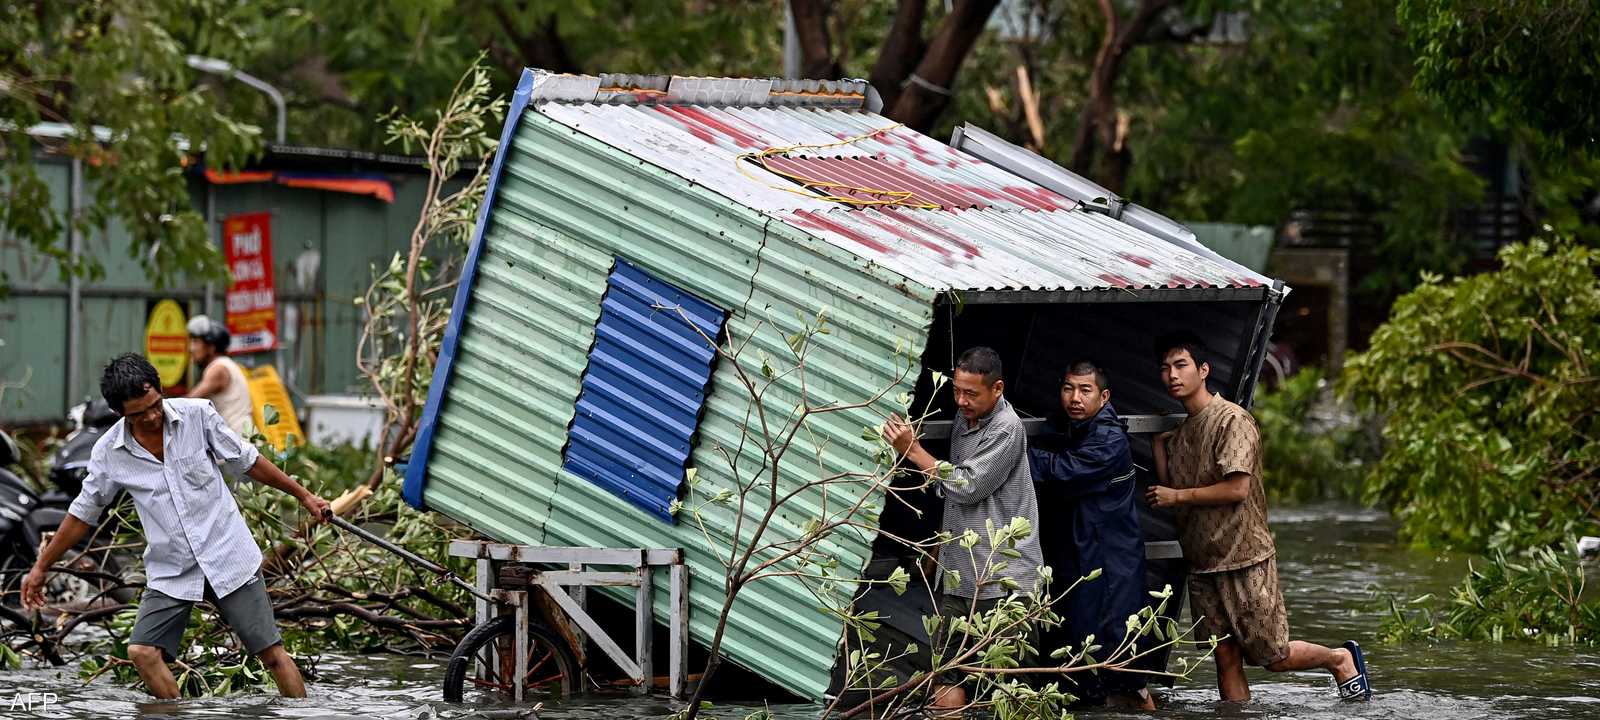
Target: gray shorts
[
  {"x": 951, "y": 608},
  {"x": 248, "y": 610}
]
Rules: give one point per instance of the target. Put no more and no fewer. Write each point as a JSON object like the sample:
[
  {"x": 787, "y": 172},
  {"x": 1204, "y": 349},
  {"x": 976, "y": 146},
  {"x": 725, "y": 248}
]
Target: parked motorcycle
[
  {"x": 89, "y": 574},
  {"x": 70, "y": 462}
]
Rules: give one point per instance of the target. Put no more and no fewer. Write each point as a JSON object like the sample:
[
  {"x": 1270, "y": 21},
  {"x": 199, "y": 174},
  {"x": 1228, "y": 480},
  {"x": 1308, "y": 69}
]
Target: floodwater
[{"x": 1329, "y": 557}]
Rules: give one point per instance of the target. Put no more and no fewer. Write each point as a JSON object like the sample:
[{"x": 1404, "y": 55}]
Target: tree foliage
[
  {"x": 408, "y": 303},
  {"x": 1490, "y": 386},
  {"x": 1311, "y": 449},
  {"x": 1535, "y": 595},
  {"x": 116, "y": 69},
  {"x": 341, "y": 64},
  {"x": 1514, "y": 63},
  {"x": 1210, "y": 110},
  {"x": 1238, "y": 111}
]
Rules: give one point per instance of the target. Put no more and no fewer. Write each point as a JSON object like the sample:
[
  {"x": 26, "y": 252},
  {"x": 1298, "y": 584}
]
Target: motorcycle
[
  {"x": 89, "y": 574},
  {"x": 70, "y": 462}
]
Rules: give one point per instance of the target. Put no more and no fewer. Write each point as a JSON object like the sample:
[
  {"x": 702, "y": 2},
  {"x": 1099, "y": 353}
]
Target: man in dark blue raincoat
[{"x": 1084, "y": 478}]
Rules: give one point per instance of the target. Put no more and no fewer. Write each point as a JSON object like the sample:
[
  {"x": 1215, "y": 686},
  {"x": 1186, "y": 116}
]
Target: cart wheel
[{"x": 552, "y": 668}]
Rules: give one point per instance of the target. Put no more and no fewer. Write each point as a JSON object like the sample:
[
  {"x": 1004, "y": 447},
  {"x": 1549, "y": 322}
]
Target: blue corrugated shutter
[{"x": 643, "y": 389}]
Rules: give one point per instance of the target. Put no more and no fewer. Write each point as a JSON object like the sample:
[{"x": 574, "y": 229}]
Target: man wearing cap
[{"x": 221, "y": 380}]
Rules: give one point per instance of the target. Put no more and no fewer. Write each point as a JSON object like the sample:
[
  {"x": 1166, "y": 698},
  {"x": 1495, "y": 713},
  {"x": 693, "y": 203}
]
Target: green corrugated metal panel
[
  {"x": 516, "y": 376},
  {"x": 33, "y": 354},
  {"x": 360, "y": 232},
  {"x": 565, "y": 205},
  {"x": 21, "y": 265},
  {"x": 33, "y": 343},
  {"x": 346, "y": 233}
]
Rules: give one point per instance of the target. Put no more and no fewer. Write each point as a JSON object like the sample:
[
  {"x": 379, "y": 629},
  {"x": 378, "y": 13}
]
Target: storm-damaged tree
[
  {"x": 408, "y": 303},
  {"x": 336, "y": 593},
  {"x": 1009, "y": 675},
  {"x": 776, "y": 464},
  {"x": 105, "y": 86},
  {"x": 777, "y": 504}
]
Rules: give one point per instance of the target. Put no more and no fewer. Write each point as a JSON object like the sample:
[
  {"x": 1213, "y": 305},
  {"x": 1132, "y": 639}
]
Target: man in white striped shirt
[{"x": 165, "y": 454}]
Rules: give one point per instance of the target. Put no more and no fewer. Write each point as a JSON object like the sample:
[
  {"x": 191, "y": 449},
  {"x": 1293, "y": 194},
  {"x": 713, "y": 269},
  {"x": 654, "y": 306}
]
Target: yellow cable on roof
[{"x": 828, "y": 188}]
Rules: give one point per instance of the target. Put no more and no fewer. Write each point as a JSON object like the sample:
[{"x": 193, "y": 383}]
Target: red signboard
[{"x": 252, "y": 302}]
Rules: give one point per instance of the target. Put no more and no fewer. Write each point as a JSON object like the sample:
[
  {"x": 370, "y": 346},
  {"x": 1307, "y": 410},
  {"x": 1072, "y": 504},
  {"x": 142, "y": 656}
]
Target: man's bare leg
[
  {"x": 153, "y": 671},
  {"x": 1231, "y": 681},
  {"x": 1310, "y": 656},
  {"x": 948, "y": 697},
  {"x": 284, "y": 672},
  {"x": 1140, "y": 700}
]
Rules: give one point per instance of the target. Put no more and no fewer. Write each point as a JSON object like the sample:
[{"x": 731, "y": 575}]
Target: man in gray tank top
[{"x": 221, "y": 380}]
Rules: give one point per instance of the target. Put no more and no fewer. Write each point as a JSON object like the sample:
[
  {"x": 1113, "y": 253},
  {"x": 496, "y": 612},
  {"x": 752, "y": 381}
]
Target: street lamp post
[{"x": 226, "y": 69}]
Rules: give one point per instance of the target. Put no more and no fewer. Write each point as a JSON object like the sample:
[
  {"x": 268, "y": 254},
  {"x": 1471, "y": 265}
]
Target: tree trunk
[
  {"x": 1101, "y": 130},
  {"x": 898, "y": 55},
  {"x": 816, "y": 43},
  {"x": 540, "y": 47},
  {"x": 928, "y": 93}
]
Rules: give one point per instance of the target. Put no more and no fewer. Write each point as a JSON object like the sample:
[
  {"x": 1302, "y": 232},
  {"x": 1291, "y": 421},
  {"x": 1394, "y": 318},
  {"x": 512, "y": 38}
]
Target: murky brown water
[{"x": 1329, "y": 557}]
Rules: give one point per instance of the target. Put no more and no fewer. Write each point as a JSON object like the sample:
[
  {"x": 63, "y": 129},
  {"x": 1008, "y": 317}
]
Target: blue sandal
[{"x": 1358, "y": 687}]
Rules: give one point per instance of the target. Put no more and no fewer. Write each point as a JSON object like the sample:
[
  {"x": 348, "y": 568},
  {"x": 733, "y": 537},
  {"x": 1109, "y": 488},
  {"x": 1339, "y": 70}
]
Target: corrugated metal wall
[
  {"x": 643, "y": 389},
  {"x": 565, "y": 205},
  {"x": 323, "y": 246}
]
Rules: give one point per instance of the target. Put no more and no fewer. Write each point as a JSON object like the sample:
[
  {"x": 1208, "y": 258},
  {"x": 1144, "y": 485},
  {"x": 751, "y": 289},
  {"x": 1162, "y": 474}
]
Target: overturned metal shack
[{"x": 564, "y": 411}]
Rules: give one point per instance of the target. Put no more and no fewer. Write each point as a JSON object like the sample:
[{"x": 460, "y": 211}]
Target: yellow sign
[
  {"x": 166, "y": 342},
  {"x": 266, "y": 389}
]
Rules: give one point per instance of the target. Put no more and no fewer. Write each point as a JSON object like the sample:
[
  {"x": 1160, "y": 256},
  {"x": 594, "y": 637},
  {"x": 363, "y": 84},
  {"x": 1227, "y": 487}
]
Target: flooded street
[{"x": 1329, "y": 557}]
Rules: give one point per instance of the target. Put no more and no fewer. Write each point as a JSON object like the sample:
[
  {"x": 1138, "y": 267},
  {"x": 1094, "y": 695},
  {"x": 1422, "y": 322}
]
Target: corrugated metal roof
[
  {"x": 993, "y": 231},
  {"x": 643, "y": 389}
]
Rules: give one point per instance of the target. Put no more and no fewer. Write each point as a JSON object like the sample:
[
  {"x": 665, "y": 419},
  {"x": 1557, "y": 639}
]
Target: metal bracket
[{"x": 1137, "y": 424}]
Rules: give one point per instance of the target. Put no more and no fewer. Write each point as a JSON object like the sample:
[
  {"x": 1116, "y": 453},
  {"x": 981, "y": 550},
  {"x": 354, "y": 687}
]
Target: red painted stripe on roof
[
  {"x": 1139, "y": 260},
  {"x": 945, "y": 253},
  {"x": 1035, "y": 198},
  {"x": 950, "y": 195},
  {"x": 1115, "y": 279},
  {"x": 706, "y": 126},
  {"x": 818, "y": 222},
  {"x": 909, "y": 217}
]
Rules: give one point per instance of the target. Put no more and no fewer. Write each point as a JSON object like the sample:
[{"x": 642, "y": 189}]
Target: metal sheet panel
[
  {"x": 988, "y": 250},
  {"x": 567, "y": 204},
  {"x": 33, "y": 359},
  {"x": 643, "y": 389},
  {"x": 664, "y": 188},
  {"x": 993, "y": 231}
]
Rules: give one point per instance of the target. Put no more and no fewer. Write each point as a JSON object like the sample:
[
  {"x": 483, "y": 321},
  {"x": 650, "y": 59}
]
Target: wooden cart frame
[{"x": 567, "y": 589}]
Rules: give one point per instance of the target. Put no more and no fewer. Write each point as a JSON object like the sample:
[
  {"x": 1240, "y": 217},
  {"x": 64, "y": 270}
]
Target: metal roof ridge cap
[
  {"x": 569, "y": 87},
  {"x": 630, "y": 88}
]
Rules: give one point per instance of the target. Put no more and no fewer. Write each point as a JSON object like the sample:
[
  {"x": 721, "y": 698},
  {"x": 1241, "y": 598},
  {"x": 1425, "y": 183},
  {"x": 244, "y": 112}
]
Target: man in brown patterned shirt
[{"x": 1210, "y": 475}]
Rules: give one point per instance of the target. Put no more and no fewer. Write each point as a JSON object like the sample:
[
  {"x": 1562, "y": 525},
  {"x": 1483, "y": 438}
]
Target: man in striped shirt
[
  {"x": 988, "y": 483},
  {"x": 165, "y": 454}
]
